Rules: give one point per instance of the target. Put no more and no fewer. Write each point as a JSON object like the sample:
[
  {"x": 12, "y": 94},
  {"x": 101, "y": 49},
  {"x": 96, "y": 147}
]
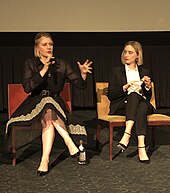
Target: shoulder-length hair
[
  {"x": 37, "y": 41},
  {"x": 138, "y": 49}
]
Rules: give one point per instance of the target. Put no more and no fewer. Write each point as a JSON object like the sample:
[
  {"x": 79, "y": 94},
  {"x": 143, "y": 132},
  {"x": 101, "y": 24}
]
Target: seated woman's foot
[
  {"x": 41, "y": 173},
  {"x": 143, "y": 158},
  {"x": 123, "y": 144},
  {"x": 43, "y": 168},
  {"x": 75, "y": 155},
  {"x": 73, "y": 150}
]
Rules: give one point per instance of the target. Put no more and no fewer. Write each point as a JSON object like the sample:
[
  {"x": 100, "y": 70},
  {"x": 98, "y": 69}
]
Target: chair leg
[
  {"x": 13, "y": 146},
  {"x": 169, "y": 138},
  {"x": 98, "y": 136},
  {"x": 111, "y": 142}
]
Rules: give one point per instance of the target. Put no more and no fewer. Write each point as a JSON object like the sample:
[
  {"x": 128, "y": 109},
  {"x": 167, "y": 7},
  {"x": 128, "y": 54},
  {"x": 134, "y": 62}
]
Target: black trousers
[{"x": 136, "y": 108}]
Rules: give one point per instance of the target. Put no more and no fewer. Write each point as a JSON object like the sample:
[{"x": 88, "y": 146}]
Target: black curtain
[{"x": 104, "y": 53}]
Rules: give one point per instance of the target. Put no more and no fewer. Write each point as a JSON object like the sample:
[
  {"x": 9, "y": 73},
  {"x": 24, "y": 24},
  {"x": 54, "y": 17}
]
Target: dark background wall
[{"x": 103, "y": 48}]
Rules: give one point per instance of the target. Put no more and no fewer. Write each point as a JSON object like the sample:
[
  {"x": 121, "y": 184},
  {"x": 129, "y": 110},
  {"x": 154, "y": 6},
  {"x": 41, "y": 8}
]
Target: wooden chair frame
[
  {"x": 16, "y": 96},
  {"x": 112, "y": 121}
]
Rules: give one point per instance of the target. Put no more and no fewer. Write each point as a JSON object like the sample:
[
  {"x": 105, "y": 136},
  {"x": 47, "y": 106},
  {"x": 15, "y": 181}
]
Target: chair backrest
[
  {"x": 66, "y": 95},
  {"x": 153, "y": 100},
  {"x": 103, "y": 102},
  {"x": 16, "y": 95}
]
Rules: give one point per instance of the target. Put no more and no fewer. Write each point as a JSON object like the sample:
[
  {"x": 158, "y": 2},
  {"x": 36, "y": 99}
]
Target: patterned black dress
[{"x": 45, "y": 94}]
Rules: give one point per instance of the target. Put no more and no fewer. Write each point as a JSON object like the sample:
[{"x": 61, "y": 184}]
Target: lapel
[
  {"x": 37, "y": 64},
  {"x": 123, "y": 75},
  {"x": 141, "y": 71}
]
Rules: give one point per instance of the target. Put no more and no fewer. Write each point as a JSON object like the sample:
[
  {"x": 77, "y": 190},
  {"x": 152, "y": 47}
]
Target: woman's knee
[
  {"x": 133, "y": 95},
  {"x": 142, "y": 109},
  {"x": 48, "y": 125}
]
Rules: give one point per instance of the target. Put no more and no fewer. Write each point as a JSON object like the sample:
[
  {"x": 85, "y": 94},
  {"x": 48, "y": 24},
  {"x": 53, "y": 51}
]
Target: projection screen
[{"x": 84, "y": 15}]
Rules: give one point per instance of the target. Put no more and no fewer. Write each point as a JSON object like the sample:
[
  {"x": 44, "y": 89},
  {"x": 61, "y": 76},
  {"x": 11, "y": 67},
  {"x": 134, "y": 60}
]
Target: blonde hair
[
  {"x": 37, "y": 41},
  {"x": 138, "y": 49}
]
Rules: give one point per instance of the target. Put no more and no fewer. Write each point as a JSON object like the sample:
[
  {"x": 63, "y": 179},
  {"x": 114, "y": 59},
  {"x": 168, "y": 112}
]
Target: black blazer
[{"x": 117, "y": 79}]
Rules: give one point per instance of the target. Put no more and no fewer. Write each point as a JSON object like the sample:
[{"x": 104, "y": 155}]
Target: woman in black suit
[
  {"x": 44, "y": 77},
  {"x": 129, "y": 93}
]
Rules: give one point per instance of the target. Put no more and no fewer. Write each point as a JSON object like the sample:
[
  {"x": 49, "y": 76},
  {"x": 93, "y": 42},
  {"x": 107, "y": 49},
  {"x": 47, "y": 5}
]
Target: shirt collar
[{"x": 128, "y": 69}]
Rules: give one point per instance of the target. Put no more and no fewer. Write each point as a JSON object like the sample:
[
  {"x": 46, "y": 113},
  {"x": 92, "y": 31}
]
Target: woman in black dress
[
  {"x": 129, "y": 93},
  {"x": 44, "y": 77}
]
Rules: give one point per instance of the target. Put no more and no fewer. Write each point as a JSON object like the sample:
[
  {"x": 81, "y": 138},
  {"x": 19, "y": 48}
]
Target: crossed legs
[
  {"x": 48, "y": 135},
  {"x": 60, "y": 127},
  {"x": 136, "y": 114}
]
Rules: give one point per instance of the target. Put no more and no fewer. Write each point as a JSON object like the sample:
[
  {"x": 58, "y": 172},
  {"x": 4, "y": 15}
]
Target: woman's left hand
[
  {"x": 85, "y": 67},
  {"x": 147, "y": 81}
]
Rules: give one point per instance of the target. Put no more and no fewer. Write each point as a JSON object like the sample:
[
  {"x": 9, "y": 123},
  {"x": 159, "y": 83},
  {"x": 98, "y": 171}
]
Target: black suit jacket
[{"x": 117, "y": 79}]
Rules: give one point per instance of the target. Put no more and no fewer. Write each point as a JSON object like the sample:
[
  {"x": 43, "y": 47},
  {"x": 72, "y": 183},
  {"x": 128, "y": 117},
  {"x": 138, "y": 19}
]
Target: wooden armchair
[
  {"x": 16, "y": 96},
  {"x": 112, "y": 121}
]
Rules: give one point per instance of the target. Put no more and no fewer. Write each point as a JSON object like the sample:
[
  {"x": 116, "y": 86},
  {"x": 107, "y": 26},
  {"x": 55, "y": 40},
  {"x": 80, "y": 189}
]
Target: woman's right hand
[
  {"x": 126, "y": 86},
  {"x": 130, "y": 85},
  {"x": 47, "y": 62}
]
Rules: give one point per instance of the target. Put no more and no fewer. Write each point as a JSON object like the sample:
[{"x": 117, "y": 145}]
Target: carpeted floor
[{"x": 123, "y": 174}]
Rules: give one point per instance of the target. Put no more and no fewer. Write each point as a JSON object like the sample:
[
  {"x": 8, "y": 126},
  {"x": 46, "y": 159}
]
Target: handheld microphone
[
  {"x": 49, "y": 69},
  {"x": 52, "y": 59}
]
